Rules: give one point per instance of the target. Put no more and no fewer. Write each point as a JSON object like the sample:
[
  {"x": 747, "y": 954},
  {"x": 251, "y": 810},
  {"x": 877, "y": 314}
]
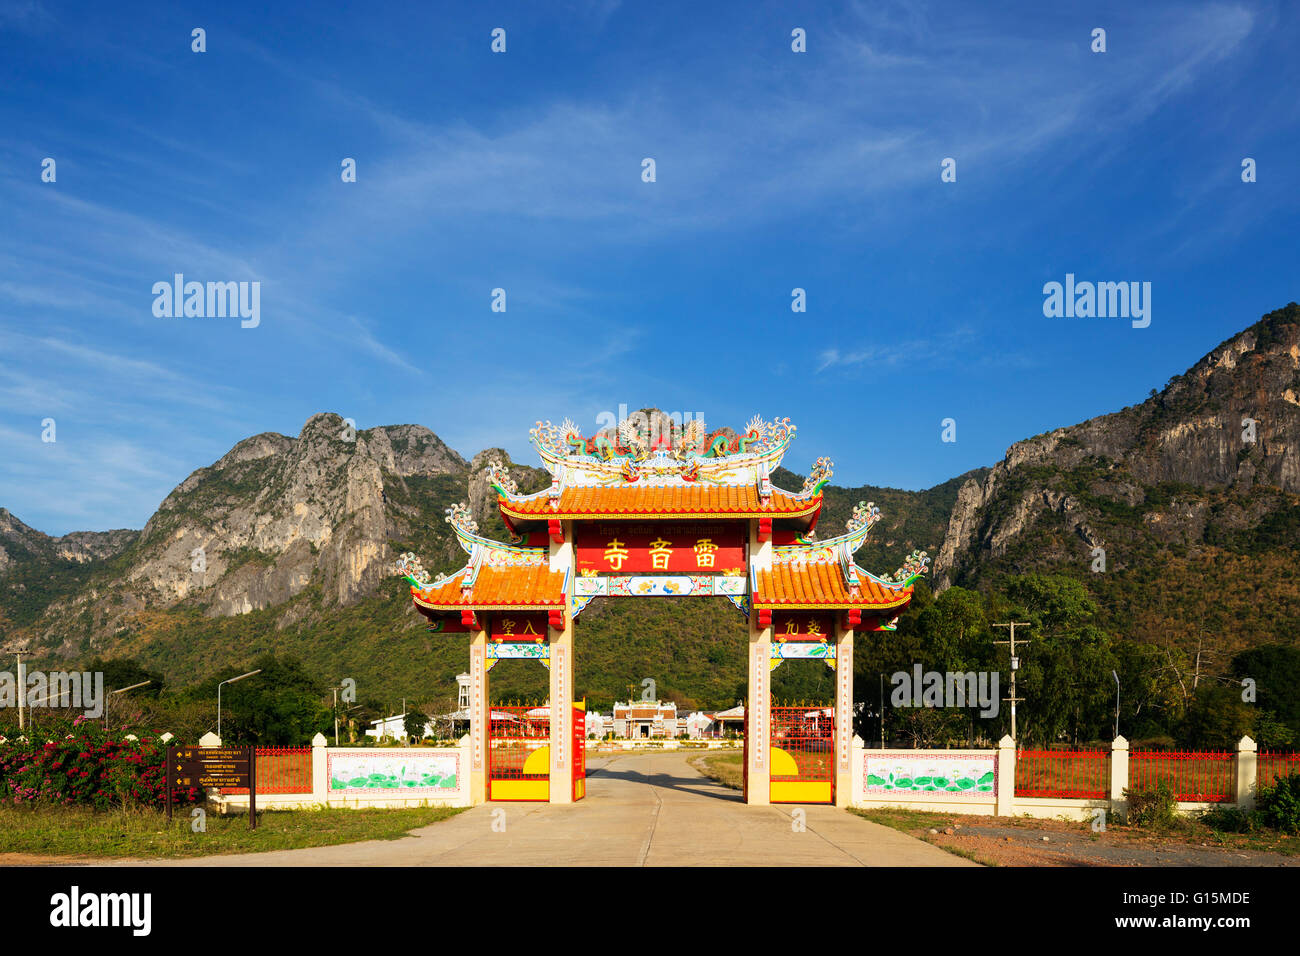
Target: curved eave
[
  {"x": 474, "y": 606},
  {"x": 815, "y": 585},
  {"x": 760, "y": 604},
  {"x": 528, "y": 588}
]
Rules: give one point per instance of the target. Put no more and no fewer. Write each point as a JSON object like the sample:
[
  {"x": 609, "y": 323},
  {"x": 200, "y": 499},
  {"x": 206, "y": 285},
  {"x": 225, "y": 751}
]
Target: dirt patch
[{"x": 1059, "y": 843}]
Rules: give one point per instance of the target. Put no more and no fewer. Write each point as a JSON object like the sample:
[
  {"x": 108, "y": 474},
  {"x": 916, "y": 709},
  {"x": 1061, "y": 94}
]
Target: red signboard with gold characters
[
  {"x": 803, "y": 626},
  {"x": 629, "y": 547},
  {"x": 518, "y": 626}
]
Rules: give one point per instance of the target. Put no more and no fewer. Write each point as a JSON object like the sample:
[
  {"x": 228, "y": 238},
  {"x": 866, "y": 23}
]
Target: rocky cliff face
[
  {"x": 276, "y": 513},
  {"x": 1217, "y": 450},
  {"x": 18, "y": 542},
  {"x": 274, "y": 516}
]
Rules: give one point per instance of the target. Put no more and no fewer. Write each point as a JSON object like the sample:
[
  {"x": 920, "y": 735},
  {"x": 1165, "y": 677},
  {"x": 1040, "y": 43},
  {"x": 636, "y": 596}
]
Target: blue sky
[{"x": 522, "y": 170}]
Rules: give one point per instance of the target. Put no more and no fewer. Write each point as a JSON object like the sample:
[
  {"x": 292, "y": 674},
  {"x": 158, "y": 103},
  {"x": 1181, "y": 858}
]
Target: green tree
[
  {"x": 122, "y": 672},
  {"x": 282, "y": 705},
  {"x": 414, "y": 723},
  {"x": 1217, "y": 717},
  {"x": 1275, "y": 668}
]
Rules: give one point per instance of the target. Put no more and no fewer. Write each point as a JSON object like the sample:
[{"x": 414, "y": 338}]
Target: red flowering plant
[{"x": 75, "y": 763}]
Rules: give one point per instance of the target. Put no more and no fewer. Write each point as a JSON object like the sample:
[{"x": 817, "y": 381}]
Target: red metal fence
[
  {"x": 1272, "y": 764},
  {"x": 1197, "y": 777},
  {"x": 515, "y": 732},
  {"x": 808, "y": 735},
  {"x": 1063, "y": 773},
  {"x": 281, "y": 770}
]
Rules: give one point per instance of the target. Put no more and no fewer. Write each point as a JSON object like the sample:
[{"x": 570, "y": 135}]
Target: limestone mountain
[
  {"x": 273, "y": 517},
  {"x": 19, "y": 542},
  {"x": 1192, "y": 497}
]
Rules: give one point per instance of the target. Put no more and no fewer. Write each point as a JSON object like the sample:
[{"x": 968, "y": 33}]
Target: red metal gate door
[
  {"x": 519, "y": 753},
  {"x": 803, "y": 754},
  {"x": 580, "y": 751}
]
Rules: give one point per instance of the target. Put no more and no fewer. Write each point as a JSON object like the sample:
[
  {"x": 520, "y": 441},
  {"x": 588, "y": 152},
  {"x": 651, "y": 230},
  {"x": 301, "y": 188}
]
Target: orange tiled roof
[
  {"x": 517, "y": 587},
  {"x": 633, "y": 501},
  {"x": 821, "y": 584}
]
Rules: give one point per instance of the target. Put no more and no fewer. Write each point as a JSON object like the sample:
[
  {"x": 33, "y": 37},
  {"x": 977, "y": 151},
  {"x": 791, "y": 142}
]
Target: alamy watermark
[
  {"x": 212, "y": 300},
  {"x": 947, "y": 689},
  {"x": 1101, "y": 300},
  {"x": 82, "y": 690},
  {"x": 74, "y": 909},
  {"x": 659, "y": 429}
]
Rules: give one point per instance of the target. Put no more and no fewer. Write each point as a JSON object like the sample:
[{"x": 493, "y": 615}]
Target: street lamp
[
  {"x": 336, "y": 713},
  {"x": 882, "y": 711},
  {"x": 231, "y": 681},
  {"x": 121, "y": 690},
  {"x": 1116, "y": 676},
  {"x": 31, "y": 716}
]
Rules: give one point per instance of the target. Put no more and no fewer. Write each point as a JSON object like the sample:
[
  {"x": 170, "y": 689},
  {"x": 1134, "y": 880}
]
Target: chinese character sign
[
  {"x": 518, "y": 626},
  {"x": 635, "y": 547},
  {"x": 803, "y": 626}
]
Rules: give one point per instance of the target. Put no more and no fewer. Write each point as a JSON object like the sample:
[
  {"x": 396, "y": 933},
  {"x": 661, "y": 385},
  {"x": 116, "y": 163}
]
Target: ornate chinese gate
[
  {"x": 657, "y": 507},
  {"x": 803, "y": 754}
]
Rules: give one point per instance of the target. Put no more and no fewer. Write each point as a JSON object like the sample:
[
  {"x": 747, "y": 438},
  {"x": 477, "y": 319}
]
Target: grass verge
[
  {"x": 76, "y": 831},
  {"x": 726, "y": 768}
]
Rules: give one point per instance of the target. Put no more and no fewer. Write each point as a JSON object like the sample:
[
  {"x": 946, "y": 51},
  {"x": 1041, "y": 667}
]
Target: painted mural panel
[
  {"x": 411, "y": 771},
  {"x": 930, "y": 775}
]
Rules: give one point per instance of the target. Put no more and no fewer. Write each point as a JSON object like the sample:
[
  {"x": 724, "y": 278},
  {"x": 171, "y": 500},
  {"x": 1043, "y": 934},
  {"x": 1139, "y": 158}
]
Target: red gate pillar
[
  {"x": 479, "y": 714},
  {"x": 561, "y": 702},
  {"x": 758, "y": 708},
  {"x": 843, "y": 714}
]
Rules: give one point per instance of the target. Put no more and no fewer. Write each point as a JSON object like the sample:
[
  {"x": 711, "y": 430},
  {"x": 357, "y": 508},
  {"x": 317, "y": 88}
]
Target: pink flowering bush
[{"x": 78, "y": 764}]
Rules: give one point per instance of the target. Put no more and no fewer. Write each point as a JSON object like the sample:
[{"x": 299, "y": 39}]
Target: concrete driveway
[{"x": 651, "y": 809}]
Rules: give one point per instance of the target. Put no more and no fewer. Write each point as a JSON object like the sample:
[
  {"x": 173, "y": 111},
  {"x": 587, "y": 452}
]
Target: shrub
[
  {"x": 87, "y": 768},
  {"x": 1278, "y": 806},
  {"x": 1153, "y": 808},
  {"x": 1227, "y": 818}
]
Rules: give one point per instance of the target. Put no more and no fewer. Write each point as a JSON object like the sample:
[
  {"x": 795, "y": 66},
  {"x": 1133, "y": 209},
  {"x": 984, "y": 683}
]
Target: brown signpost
[{"x": 223, "y": 767}]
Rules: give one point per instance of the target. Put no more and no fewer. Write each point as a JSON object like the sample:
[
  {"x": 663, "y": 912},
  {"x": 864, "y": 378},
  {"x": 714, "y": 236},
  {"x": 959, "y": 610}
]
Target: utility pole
[{"x": 1015, "y": 666}]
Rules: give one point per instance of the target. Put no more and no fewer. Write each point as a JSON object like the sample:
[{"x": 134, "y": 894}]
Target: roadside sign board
[{"x": 222, "y": 767}]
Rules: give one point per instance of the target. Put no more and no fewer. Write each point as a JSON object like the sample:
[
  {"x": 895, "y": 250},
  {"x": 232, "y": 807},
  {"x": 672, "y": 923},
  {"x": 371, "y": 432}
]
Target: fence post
[
  {"x": 320, "y": 784},
  {"x": 1118, "y": 779},
  {"x": 1006, "y": 795},
  {"x": 465, "y": 792},
  {"x": 857, "y": 768},
  {"x": 1247, "y": 773}
]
